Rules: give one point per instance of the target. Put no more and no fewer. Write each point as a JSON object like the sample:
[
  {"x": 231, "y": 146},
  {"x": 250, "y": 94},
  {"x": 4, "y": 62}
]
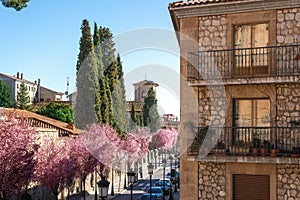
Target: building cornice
[{"x": 228, "y": 8}]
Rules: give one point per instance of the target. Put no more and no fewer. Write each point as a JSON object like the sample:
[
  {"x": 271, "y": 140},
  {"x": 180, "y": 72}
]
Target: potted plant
[
  {"x": 255, "y": 145},
  {"x": 265, "y": 148},
  {"x": 221, "y": 148},
  {"x": 295, "y": 151},
  {"x": 274, "y": 150}
]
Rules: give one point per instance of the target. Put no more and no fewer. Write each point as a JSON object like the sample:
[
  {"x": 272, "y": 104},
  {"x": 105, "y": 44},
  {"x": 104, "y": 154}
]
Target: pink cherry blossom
[
  {"x": 17, "y": 149},
  {"x": 165, "y": 138}
]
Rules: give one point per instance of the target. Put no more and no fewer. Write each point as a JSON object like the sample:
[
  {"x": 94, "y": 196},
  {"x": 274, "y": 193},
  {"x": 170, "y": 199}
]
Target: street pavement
[{"x": 139, "y": 188}]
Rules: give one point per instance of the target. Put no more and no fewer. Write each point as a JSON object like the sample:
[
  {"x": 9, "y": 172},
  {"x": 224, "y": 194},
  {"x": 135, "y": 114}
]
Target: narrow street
[{"x": 139, "y": 188}]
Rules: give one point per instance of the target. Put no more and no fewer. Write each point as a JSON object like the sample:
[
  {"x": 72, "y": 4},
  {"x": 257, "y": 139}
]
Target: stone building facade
[{"x": 241, "y": 66}]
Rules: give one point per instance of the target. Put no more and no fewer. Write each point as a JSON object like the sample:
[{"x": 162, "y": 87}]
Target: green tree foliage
[
  {"x": 150, "y": 113},
  {"x": 59, "y": 111},
  {"x": 107, "y": 44},
  {"x": 23, "y": 99},
  {"x": 133, "y": 117},
  {"x": 87, "y": 80},
  {"x": 16, "y": 4},
  {"x": 103, "y": 113},
  {"x": 5, "y": 98}
]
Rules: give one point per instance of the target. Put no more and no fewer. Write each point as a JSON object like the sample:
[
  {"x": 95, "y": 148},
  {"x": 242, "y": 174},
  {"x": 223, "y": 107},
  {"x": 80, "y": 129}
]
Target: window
[
  {"x": 251, "y": 119},
  {"x": 251, "y": 56},
  {"x": 252, "y": 112}
]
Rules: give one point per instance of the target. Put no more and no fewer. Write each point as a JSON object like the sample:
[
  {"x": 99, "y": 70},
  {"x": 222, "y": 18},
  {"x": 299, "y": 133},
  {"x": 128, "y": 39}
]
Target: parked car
[
  {"x": 164, "y": 184},
  {"x": 157, "y": 191},
  {"x": 147, "y": 197},
  {"x": 168, "y": 176}
]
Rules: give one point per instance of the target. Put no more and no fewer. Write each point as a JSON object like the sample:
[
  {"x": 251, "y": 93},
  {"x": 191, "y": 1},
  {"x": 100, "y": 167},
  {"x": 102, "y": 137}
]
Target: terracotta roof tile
[
  {"x": 60, "y": 126},
  {"x": 199, "y": 2}
]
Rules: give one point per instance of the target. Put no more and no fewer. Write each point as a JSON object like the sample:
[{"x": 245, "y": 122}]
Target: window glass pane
[
  {"x": 263, "y": 113},
  {"x": 243, "y": 113},
  {"x": 260, "y": 34},
  {"x": 254, "y": 112}
]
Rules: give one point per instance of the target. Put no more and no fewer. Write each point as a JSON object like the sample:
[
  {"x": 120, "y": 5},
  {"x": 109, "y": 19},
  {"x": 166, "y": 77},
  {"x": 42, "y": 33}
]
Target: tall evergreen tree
[
  {"x": 103, "y": 116},
  {"x": 23, "y": 99},
  {"x": 5, "y": 98},
  {"x": 121, "y": 77},
  {"x": 107, "y": 44},
  {"x": 87, "y": 79},
  {"x": 150, "y": 112},
  {"x": 133, "y": 117}
]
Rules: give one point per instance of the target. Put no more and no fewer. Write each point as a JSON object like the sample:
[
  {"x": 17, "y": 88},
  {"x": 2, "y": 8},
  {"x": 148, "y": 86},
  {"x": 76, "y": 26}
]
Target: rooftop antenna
[{"x": 67, "y": 92}]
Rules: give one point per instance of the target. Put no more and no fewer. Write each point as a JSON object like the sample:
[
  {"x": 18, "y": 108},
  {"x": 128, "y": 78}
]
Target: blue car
[
  {"x": 165, "y": 185},
  {"x": 157, "y": 191}
]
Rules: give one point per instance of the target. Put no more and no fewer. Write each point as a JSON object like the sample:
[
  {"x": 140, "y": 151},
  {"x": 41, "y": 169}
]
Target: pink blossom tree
[
  {"x": 56, "y": 167},
  {"x": 17, "y": 150},
  {"x": 165, "y": 138},
  {"x": 86, "y": 162},
  {"x": 136, "y": 143}
]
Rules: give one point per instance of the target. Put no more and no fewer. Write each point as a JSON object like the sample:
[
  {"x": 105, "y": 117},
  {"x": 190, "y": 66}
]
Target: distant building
[
  {"x": 14, "y": 82},
  {"x": 36, "y": 92},
  {"x": 170, "y": 121},
  {"x": 140, "y": 92},
  {"x": 141, "y": 89},
  {"x": 50, "y": 95}
]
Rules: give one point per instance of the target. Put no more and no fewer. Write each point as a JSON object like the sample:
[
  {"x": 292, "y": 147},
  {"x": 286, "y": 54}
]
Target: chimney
[
  {"x": 39, "y": 81},
  {"x": 21, "y": 75},
  {"x": 18, "y": 75}
]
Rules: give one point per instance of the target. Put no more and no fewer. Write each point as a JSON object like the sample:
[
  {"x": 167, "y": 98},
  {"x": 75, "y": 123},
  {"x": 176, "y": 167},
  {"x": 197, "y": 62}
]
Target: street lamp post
[
  {"x": 131, "y": 177},
  {"x": 103, "y": 187},
  {"x": 164, "y": 163},
  {"x": 150, "y": 172}
]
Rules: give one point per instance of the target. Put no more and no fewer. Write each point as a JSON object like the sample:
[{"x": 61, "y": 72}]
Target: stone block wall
[
  {"x": 288, "y": 26},
  {"x": 288, "y": 104},
  {"x": 288, "y": 182},
  {"x": 212, "y": 32},
  {"x": 212, "y": 105},
  {"x": 212, "y": 183}
]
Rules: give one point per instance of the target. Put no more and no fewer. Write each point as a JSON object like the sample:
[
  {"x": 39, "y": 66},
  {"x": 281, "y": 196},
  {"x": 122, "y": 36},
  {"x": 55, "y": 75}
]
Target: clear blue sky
[{"x": 42, "y": 40}]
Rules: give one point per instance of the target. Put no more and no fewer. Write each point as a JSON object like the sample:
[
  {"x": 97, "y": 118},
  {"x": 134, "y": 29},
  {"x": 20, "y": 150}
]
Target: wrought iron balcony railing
[
  {"x": 244, "y": 63},
  {"x": 247, "y": 141}
]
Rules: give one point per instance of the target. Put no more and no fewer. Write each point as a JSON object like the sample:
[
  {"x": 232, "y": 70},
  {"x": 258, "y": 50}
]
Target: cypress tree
[
  {"x": 23, "y": 100},
  {"x": 5, "y": 98},
  {"x": 133, "y": 117},
  {"x": 107, "y": 44},
  {"x": 104, "y": 104},
  {"x": 150, "y": 113},
  {"x": 87, "y": 80}
]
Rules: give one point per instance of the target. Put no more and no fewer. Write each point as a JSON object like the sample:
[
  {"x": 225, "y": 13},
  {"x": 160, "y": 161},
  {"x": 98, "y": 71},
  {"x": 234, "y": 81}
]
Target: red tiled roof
[
  {"x": 199, "y": 2},
  {"x": 45, "y": 122}
]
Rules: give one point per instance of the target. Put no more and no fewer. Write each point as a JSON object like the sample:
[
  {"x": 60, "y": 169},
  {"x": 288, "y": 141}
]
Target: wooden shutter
[{"x": 251, "y": 187}]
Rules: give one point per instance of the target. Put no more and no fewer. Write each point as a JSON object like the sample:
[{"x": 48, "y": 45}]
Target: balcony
[
  {"x": 273, "y": 142},
  {"x": 276, "y": 61}
]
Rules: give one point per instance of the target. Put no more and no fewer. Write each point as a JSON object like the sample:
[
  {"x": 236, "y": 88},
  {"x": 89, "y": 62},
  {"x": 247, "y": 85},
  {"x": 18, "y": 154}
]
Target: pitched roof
[
  {"x": 17, "y": 79},
  {"x": 199, "y": 2},
  {"x": 37, "y": 120},
  {"x": 146, "y": 82}
]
